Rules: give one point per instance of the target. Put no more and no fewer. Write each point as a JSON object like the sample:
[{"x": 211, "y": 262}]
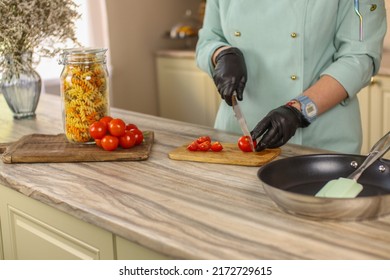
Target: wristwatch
[{"x": 308, "y": 108}]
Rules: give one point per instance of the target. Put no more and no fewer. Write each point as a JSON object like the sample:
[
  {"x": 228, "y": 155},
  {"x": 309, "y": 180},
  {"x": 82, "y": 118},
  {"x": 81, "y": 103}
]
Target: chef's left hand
[
  {"x": 230, "y": 74},
  {"x": 278, "y": 127}
]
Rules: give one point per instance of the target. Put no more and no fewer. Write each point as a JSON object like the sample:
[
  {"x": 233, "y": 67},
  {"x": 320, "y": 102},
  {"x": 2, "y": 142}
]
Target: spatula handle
[{"x": 377, "y": 151}]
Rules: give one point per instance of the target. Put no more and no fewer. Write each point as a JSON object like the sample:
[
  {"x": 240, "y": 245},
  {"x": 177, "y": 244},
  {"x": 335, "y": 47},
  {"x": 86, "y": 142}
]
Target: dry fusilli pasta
[{"x": 85, "y": 98}]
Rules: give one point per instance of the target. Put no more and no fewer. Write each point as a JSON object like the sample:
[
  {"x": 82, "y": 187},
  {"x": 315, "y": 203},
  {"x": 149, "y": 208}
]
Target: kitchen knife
[{"x": 241, "y": 120}]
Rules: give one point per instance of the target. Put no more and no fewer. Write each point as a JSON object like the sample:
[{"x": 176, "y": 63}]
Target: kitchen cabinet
[
  {"x": 33, "y": 230},
  {"x": 1, "y": 245},
  {"x": 185, "y": 93},
  {"x": 375, "y": 111},
  {"x": 126, "y": 250}
]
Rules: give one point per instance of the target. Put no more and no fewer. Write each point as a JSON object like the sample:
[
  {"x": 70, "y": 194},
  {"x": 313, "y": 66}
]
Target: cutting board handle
[{"x": 4, "y": 146}]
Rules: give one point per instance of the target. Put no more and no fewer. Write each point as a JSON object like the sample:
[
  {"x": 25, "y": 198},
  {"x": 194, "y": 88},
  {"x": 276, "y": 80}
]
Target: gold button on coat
[
  {"x": 293, "y": 77},
  {"x": 237, "y": 33},
  {"x": 294, "y": 35},
  {"x": 373, "y": 7}
]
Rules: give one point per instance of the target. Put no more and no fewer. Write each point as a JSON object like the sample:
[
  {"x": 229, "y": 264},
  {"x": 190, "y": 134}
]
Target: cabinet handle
[{"x": 375, "y": 81}]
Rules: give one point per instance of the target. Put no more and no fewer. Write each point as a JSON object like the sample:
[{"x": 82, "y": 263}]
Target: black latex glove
[
  {"x": 278, "y": 127},
  {"x": 230, "y": 74}
]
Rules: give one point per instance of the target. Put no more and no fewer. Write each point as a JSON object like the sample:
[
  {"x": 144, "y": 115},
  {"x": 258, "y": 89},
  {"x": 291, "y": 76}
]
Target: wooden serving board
[
  {"x": 230, "y": 154},
  {"x": 55, "y": 148}
]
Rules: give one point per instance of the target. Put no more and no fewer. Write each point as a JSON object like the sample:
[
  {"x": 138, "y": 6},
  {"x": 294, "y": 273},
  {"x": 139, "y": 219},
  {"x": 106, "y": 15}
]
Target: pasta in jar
[{"x": 84, "y": 90}]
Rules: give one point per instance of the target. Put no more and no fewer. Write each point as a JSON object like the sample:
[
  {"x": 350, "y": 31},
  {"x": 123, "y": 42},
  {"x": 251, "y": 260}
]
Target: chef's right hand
[{"x": 230, "y": 74}]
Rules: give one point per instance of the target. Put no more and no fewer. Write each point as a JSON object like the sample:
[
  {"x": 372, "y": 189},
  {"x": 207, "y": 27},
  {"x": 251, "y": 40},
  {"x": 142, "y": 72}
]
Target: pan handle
[
  {"x": 382, "y": 145},
  {"x": 377, "y": 151}
]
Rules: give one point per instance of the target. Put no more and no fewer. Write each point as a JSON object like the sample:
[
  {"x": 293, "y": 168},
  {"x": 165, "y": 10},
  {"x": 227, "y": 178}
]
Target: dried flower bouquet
[{"x": 42, "y": 27}]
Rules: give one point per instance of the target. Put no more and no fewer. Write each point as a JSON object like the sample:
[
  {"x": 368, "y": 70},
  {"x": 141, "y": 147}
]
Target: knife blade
[{"x": 241, "y": 119}]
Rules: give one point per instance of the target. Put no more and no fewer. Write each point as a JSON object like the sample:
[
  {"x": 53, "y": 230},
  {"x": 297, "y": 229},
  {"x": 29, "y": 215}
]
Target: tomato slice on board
[
  {"x": 204, "y": 138},
  {"x": 216, "y": 147},
  {"x": 193, "y": 146},
  {"x": 204, "y": 146}
]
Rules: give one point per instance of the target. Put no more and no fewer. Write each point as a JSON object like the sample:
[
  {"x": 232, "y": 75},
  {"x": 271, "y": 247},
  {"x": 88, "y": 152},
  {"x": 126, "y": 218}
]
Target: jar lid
[{"x": 82, "y": 55}]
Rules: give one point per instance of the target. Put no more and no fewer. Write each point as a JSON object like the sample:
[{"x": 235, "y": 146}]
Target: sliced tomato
[
  {"x": 204, "y": 138},
  {"x": 204, "y": 146},
  {"x": 216, "y": 147},
  {"x": 193, "y": 146}
]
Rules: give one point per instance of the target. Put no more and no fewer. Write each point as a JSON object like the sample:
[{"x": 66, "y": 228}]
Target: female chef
[{"x": 295, "y": 66}]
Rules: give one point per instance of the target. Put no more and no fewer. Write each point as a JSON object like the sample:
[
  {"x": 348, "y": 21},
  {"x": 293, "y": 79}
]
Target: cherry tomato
[
  {"x": 204, "y": 146},
  {"x": 202, "y": 139},
  {"x": 139, "y": 136},
  {"x": 131, "y": 126},
  {"x": 109, "y": 142},
  {"x": 216, "y": 147},
  {"x": 97, "y": 130},
  {"x": 127, "y": 140},
  {"x": 117, "y": 127},
  {"x": 244, "y": 144},
  {"x": 106, "y": 120},
  {"x": 98, "y": 142},
  {"x": 193, "y": 146}
]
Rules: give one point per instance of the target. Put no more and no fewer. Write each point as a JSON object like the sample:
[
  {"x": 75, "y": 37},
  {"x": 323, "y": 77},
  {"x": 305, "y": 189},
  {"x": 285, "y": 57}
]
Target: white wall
[{"x": 136, "y": 30}]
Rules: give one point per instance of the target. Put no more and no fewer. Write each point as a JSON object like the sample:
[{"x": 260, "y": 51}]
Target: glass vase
[{"x": 21, "y": 85}]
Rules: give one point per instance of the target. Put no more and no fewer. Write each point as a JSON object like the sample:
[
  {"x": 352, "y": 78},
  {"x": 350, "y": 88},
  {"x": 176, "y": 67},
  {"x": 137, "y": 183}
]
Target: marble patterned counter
[{"x": 185, "y": 210}]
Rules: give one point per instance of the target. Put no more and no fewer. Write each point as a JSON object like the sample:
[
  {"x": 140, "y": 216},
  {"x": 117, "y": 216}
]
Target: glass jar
[
  {"x": 84, "y": 91},
  {"x": 188, "y": 27}
]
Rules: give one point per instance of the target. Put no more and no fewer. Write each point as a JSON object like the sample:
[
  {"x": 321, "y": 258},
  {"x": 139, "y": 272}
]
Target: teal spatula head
[
  {"x": 349, "y": 187},
  {"x": 340, "y": 188}
]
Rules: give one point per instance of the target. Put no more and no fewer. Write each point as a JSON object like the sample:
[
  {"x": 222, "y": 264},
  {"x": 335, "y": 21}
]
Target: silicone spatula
[{"x": 349, "y": 187}]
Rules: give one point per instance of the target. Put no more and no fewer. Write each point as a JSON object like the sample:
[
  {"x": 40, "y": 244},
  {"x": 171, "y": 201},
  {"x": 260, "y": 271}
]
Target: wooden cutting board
[
  {"x": 230, "y": 154},
  {"x": 55, "y": 148}
]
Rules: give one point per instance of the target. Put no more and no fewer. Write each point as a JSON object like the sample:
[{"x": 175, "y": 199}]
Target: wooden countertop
[{"x": 186, "y": 210}]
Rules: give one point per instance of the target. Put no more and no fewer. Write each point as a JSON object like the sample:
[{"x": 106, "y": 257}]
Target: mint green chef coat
[{"x": 288, "y": 45}]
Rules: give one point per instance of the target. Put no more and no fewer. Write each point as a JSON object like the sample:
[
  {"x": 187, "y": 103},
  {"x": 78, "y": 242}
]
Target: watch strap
[{"x": 308, "y": 108}]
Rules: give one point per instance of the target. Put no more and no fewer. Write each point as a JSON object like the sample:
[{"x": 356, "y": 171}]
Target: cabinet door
[
  {"x": 380, "y": 109},
  {"x": 375, "y": 111},
  {"x": 364, "y": 103},
  {"x": 126, "y": 250},
  {"x": 1, "y": 244},
  {"x": 33, "y": 230},
  {"x": 185, "y": 92}
]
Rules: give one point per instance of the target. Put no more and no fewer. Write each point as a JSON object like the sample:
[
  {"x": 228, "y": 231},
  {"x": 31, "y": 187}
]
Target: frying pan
[{"x": 292, "y": 183}]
